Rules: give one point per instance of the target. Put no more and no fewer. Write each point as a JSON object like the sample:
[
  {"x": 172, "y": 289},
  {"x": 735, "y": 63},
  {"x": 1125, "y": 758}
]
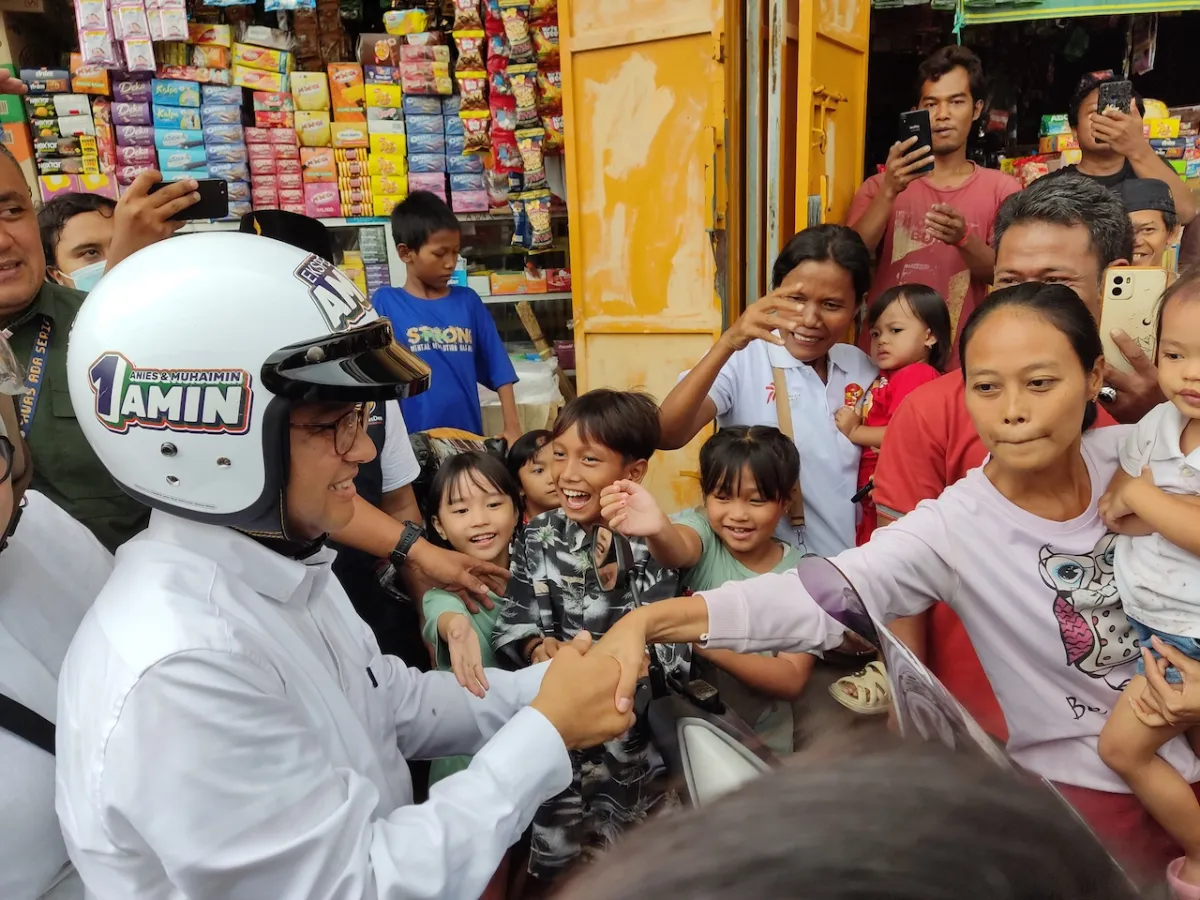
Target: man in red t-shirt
[
  {"x": 936, "y": 228},
  {"x": 1051, "y": 233}
]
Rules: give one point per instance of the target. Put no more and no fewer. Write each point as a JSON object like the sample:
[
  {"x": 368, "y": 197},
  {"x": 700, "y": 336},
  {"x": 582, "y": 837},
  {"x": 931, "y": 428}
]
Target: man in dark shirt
[{"x": 1114, "y": 147}]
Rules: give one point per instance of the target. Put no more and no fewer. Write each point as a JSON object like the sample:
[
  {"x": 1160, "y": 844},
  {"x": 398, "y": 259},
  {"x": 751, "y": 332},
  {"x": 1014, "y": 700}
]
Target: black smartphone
[
  {"x": 915, "y": 123},
  {"x": 213, "y": 202},
  {"x": 1118, "y": 94}
]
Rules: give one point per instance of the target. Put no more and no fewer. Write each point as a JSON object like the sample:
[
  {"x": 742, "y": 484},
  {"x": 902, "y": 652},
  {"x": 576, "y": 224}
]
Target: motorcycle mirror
[
  {"x": 827, "y": 585},
  {"x": 611, "y": 558}
]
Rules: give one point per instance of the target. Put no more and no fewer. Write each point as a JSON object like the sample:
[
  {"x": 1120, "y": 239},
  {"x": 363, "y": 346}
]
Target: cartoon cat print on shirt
[{"x": 1095, "y": 633}]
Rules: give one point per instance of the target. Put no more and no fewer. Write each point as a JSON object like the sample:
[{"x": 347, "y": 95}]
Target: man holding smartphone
[
  {"x": 1113, "y": 143},
  {"x": 935, "y": 227}
]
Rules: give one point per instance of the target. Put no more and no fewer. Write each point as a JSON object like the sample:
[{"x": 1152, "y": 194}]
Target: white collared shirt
[
  {"x": 744, "y": 392},
  {"x": 229, "y": 729},
  {"x": 1160, "y": 582},
  {"x": 50, "y": 572},
  {"x": 397, "y": 461}
]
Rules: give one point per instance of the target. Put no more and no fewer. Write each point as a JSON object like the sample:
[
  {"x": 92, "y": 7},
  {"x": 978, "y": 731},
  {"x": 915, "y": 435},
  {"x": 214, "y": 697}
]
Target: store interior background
[{"x": 1035, "y": 65}]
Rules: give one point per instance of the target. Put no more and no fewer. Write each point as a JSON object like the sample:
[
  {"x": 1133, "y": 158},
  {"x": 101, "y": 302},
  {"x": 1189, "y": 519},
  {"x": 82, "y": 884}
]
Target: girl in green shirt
[
  {"x": 478, "y": 508},
  {"x": 747, "y": 476}
]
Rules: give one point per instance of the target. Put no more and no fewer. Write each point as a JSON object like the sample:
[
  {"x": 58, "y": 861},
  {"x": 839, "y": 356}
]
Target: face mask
[{"x": 86, "y": 278}]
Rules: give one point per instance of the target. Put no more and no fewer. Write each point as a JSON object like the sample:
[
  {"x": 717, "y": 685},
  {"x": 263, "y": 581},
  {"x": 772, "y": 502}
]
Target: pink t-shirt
[
  {"x": 1037, "y": 598},
  {"x": 906, "y": 256}
]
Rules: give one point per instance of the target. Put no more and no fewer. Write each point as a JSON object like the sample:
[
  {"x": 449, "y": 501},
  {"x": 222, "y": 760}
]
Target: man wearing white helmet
[{"x": 227, "y": 726}]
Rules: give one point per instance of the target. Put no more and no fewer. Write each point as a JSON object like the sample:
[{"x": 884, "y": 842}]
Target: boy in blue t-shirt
[{"x": 446, "y": 326}]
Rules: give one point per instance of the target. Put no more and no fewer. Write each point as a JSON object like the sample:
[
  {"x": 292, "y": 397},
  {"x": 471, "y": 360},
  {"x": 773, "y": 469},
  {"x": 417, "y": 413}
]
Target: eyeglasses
[{"x": 345, "y": 428}]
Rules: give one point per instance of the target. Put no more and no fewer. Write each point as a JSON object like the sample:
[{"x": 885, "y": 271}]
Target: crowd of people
[{"x": 234, "y": 629}]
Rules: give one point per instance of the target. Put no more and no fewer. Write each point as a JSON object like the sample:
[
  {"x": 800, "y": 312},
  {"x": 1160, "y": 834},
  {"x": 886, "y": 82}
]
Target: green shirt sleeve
[{"x": 696, "y": 520}]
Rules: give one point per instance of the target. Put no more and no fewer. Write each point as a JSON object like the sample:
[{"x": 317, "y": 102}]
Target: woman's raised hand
[{"x": 777, "y": 310}]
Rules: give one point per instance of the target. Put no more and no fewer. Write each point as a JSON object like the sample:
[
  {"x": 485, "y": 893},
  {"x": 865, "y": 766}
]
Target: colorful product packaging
[
  {"x": 210, "y": 35},
  {"x": 173, "y": 139},
  {"x": 259, "y": 80},
  {"x": 383, "y": 95},
  {"x": 182, "y": 160},
  {"x": 219, "y": 95},
  {"x": 229, "y": 171},
  {"x": 310, "y": 91},
  {"x": 265, "y": 59},
  {"x": 314, "y": 129},
  {"x": 174, "y": 93},
  {"x": 220, "y": 115},
  {"x": 347, "y": 92},
  {"x": 273, "y": 101},
  {"x": 223, "y": 134},
  {"x": 47, "y": 81},
  {"x": 318, "y": 164},
  {"x": 268, "y": 119},
  {"x": 180, "y": 117},
  {"x": 384, "y": 126},
  {"x": 321, "y": 200},
  {"x": 349, "y": 134},
  {"x": 392, "y": 144}
]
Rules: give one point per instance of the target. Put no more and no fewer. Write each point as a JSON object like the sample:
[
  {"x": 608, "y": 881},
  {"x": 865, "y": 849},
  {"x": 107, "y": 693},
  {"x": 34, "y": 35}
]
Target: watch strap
[{"x": 412, "y": 532}]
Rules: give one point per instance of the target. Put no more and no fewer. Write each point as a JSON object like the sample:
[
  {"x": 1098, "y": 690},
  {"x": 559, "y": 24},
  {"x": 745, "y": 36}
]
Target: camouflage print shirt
[{"x": 553, "y": 592}]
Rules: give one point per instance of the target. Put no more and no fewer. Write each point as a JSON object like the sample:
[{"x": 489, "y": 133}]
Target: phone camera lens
[
  {"x": 1119, "y": 279},
  {"x": 1117, "y": 292}
]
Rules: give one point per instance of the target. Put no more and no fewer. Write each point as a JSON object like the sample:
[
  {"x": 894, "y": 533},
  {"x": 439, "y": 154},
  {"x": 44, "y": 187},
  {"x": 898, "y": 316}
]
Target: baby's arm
[
  {"x": 850, "y": 424},
  {"x": 782, "y": 677},
  {"x": 630, "y": 509}
]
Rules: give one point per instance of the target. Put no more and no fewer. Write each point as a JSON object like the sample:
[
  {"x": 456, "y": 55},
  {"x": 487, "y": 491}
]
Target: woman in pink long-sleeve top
[{"x": 1017, "y": 548}]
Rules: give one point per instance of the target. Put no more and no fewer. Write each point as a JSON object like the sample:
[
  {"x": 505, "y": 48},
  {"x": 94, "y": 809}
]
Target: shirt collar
[
  {"x": 263, "y": 570},
  {"x": 53, "y": 300},
  {"x": 780, "y": 358},
  {"x": 1171, "y": 423}
]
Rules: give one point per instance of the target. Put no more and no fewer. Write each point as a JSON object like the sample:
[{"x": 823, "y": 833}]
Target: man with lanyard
[{"x": 227, "y": 725}]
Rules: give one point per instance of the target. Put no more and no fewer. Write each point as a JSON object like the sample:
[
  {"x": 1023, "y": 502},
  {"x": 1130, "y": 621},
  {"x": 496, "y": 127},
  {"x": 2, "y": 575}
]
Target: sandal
[{"x": 872, "y": 696}]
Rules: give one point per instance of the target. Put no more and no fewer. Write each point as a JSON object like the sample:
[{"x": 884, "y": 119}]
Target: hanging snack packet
[
  {"x": 475, "y": 131},
  {"x": 549, "y": 91},
  {"x": 555, "y": 139},
  {"x": 470, "y": 50},
  {"x": 529, "y": 142},
  {"x": 537, "y": 211},
  {"x": 524, "y": 87},
  {"x": 540, "y": 10},
  {"x": 473, "y": 89},
  {"x": 515, "y": 16},
  {"x": 545, "y": 42},
  {"x": 466, "y": 15},
  {"x": 504, "y": 113},
  {"x": 521, "y": 235},
  {"x": 405, "y": 21},
  {"x": 506, "y": 153}
]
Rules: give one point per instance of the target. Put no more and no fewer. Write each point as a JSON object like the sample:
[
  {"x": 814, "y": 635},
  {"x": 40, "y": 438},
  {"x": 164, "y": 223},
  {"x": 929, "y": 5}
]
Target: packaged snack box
[
  {"x": 347, "y": 91},
  {"x": 273, "y": 101},
  {"x": 180, "y": 117},
  {"x": 381, "y": 126},
  {"x": 76, "y": 125},
  {"x": 72, "y": 105},
  {"x": 258, "y": 80},
  {"x": 313, "y": 127},
  {"x": 386, "y": 95},
  {"x": 173, "y": 139},
  {"x": 310, "y": 91},
  {"x": 219, "y": 95},
  {"x": 318, "y": 161},
  {"x": 393, "y": 144},
  {"x": 210, "y": 35},
  {"x": 285, "y": 151},
  {"x": 224, "y": 134},
  {"x": 220, "y": 115},
  {"x": 283, "y": 136},
  {"x": 262, "y": 58},
  {"x": 182, "y": 160},
  {"x": 132, "y": 91},
  {"x": 393, "y": 165},
  {"x": 349, "y": 134},
  {"x": 229, "y": 171},
  {"x": 47, "y": 81},
  {"x": 389, "y": 184},
  {"x": 268, "y": 119},
  {"x": 175, "y": 93},
  {"x": 384, "y": 114}
]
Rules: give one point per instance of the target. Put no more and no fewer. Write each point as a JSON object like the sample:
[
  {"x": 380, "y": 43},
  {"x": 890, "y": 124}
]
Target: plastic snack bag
[
  {"x": 549, "y": 91},
  {"x": 506, "y": 153},
  {"x": 555, "y": 139},
  {"x": 504, "y": 113},
  {"x": 473, "y": 89},
  {"x": 475, "y": 131},
  {"x": 537, "y": 211},
  {"x": 521, "y": 235},
  {"x": 530, "y": 142},
  {"x": 515, "y": 16},
  {"x": 542, "y": 9},
  {"x": 470, "y": 50},
  {"x": 545, "y": 42},
  {"x": 466, "y": 15},
  {"x": 524, "y": 87}
]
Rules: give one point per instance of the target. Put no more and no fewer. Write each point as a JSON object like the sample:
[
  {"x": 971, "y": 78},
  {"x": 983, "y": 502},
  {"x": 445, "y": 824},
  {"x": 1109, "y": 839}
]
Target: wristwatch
[{"x": 412, "y": 532}]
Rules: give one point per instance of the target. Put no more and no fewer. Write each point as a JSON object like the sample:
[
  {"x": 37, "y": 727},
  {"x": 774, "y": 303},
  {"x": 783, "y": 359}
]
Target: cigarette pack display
[
  {"x": 427, "y": 143},
  {"x": 464, "y": 165},
  {"x": 136, "y": 156},
  {"x": 385, "y": 127},
  {"x": 182, "y": 160},
  {"x": 175, "y": 93},
  {"x": 133, "y": 135},
  {"x": 220, "y": 115},
  {"x": 424, "y": 124},
  {"x": 239, "y": 191},
  {"x": 219, "y": 95},
  {"x": 381, "y": 75},
  {"x": 268, "y": 119},
  {"x": 226, "y": 153},
  {"x": 172, "y": 139},
  {"x": 349, "y": 134},
  {"x": 210, "y": 35},
  {"x": 423, "y": 163},
  {"x": 310, "y": 91},
  {"x": 386, "y": 95},
  {"x": 76, "y": 125},
  {"x": 273, "y": 101},
  {"x": 180, "y": 117},
  {"x": 284, "y": 136},
  {"x": 314, "y": 129},
  {"x": 229, "y": 171},
  {"x": 262, "y": 58},
  {"x": 258, "y": 80},
  {"x": 469, "y": 182},
  {"x": 224, "y": 134}
]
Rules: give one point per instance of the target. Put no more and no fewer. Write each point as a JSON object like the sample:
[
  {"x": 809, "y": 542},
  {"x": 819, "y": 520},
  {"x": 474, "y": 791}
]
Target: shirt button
[{"x": 1187, "y": 472}]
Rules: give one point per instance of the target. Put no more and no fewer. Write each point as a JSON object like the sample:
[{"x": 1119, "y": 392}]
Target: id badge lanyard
[{"x": 35, "y": 374}]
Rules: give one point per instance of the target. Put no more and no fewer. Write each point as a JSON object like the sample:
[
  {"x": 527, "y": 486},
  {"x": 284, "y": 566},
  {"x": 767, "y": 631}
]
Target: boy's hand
[
  {"x": 847, "y": 420},
  {"x": 466, "y": 659},
  {"x": 577, "y": 695},
  {"x": 631, "y": 510},
  {"x": 546, "y": 650}
]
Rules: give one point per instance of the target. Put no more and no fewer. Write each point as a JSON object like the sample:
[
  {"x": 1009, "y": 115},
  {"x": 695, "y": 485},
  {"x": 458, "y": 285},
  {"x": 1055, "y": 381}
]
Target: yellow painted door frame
[{"x": 645, "y": 96}]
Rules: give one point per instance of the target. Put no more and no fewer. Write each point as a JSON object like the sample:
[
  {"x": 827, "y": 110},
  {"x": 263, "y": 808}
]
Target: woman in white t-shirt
[
  {"x": 1017, "y": 548},
  {"x": 791, "y": 337},
  {"x": 51, "y": 569}
]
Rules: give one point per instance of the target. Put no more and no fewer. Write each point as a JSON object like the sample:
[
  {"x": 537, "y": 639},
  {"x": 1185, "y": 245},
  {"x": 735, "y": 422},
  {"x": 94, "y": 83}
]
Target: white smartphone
[{"x": 1131, "y": 296}]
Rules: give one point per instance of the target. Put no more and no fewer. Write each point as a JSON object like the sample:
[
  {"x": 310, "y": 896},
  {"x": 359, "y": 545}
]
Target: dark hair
[
  {"x": 623, "y": 421},
  {"x": 1087, "y": 84},
  {"x": 929, "y": 307},
  {"x": 54, "y": 216},
  {"x": 418, "y": 217},
  {"x": 945, "y": 60},
  {"x": 1071, "y": 200},
  {"x": 1058, "y": 305},
  {"x": 483, "y": 469},
  {"x": 1188, "y": 283},
  {"x": 524, "y": 449},
  {"x": 939, "y": 827},
  {"x": 825, "y": 243},
  {"x": 771, "y": 456}
]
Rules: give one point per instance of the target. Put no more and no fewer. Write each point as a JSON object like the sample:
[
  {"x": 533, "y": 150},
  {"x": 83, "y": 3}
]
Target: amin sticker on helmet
[
  {"x": 334, "y": 294},
  {"x": 189, "y": 400}
]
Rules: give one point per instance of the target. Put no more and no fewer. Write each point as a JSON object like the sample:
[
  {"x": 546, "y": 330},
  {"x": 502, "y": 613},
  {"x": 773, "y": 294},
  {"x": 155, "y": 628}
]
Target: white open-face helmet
[{"x": 185, "y": 361}]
